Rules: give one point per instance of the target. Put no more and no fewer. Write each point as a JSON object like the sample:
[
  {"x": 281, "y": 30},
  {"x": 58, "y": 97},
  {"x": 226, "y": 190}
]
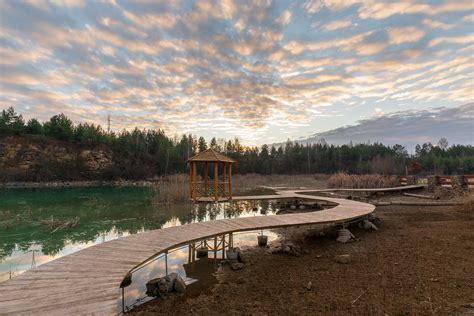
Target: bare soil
[{"x": 421, "y": 261}]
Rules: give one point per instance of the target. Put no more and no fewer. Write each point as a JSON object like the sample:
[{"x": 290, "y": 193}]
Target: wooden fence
[{"x": 444, "y": 181}]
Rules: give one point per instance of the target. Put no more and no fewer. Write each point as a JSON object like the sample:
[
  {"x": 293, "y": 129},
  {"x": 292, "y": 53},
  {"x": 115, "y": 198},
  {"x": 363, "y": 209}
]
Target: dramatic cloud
[
  {"x": 407, "y": 128},
  {"x": 264, "y": 71}
]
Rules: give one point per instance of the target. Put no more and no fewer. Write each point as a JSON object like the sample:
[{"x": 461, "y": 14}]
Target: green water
[{"x": 104, "y": 213}]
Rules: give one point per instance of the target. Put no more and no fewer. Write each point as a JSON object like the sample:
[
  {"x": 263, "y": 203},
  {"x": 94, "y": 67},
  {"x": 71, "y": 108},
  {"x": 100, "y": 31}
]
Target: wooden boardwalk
[{"x": 87, "y": 282}]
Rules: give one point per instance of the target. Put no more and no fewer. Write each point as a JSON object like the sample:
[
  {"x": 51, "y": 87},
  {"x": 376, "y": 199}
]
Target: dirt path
[{"x": 420, "y": 262}]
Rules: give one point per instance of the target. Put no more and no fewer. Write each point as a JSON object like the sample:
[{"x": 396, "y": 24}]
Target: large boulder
[{"x": 160, "y": 287}]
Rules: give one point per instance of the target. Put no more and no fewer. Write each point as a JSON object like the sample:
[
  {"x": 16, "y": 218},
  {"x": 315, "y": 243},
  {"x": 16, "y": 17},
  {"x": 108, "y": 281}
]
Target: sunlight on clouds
[
  {"x": 405, "y": 34},
  {"x": 335, "y": 25},
  {"x": 231, "y": 67}
]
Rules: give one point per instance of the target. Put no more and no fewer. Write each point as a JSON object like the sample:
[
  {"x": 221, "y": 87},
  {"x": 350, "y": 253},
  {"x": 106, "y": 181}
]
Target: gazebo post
[
  {"x": 191, "y": 180},
  {"x": 206, "y": 180},
  {"x": 194, "y": 181},
  {"x": 216, "y": 179},
  {"x": 230, "y": 181},
  {"x": 223, "y": 179}
]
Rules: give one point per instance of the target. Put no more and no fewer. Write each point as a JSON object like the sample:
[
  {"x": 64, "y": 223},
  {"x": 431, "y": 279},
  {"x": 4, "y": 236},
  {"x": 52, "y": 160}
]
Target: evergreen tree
[
  {"x": 34, "y": 127},
  {"x": 202, "y": 145}
]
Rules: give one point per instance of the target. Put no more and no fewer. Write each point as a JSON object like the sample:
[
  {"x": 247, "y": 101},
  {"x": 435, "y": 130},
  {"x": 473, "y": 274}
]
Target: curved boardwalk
[{"x": 87, "y": 282}]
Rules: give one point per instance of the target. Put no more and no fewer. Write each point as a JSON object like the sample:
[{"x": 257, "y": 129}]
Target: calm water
[{"x": 105, "y": 213}]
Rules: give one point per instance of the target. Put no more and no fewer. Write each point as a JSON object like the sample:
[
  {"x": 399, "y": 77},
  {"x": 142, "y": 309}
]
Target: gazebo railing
[{"x": 222, "y": 189}]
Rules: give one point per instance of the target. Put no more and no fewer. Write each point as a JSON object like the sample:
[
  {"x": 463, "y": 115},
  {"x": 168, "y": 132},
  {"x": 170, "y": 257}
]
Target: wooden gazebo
[{"x": 205, "y": 191}]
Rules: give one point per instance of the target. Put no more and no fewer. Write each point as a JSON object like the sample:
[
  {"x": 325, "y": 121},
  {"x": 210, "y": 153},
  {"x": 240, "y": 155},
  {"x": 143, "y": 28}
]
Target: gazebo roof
[{"x": 210, "y": 155}]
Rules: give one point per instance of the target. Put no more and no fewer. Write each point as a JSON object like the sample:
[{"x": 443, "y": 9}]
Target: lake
[{"x": 103, "y": 213}]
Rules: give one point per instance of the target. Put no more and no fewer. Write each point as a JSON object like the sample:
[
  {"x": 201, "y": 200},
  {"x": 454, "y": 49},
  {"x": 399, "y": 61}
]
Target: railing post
[
  {"x": 123, "y": 300},
  {"x": 215, "y": 247},
  {"x": 216, "y": 179},
  {"x": 189, "y": 253}
]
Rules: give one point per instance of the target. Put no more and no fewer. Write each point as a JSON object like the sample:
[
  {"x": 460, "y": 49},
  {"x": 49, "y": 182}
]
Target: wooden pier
[{"x": 87, "y": 282}]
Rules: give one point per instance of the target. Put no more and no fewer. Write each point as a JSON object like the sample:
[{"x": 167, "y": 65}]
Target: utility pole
[{"x": 108, "y": 123}]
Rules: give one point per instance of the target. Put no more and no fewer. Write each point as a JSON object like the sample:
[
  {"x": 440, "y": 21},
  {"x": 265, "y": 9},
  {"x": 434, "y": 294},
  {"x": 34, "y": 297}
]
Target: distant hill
[{"x": 407, "y": 128}]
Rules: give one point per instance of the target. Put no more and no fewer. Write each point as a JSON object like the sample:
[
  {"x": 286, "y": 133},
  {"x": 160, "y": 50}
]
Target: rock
[
  {"x": 309, "y": 286},
  {"x": 344, "y": 259},
  {"x": 241, "y": 257},
  {"x": 179, "y": 285},
  {"x": 286, "y": 249},
  {"x": 237, "y": 266},
  {"x": 295, "y": 253},
  {"x": 232, "y": 255},
  {"x": 152, "y": 287},
  {"x": 170, "y": 278},
  {"x": 375, "y": 219},
  {"x": 161, "y": 287},
  {"x": 305, "y": 251},
  {"x": 344, "y": 236},
  {"x": 366, "y": 224},
  {"x": 275, "y": 250},
  {"x": 470, "y": 305}
]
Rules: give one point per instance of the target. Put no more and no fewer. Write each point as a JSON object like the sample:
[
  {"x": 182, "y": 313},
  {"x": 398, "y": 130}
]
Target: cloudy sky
[
  {"x": 264, "y": 71},
  {"x": 407, "y": 127}
]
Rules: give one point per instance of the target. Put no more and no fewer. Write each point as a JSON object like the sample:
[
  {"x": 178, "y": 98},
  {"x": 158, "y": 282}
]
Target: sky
[
  {"x": 263, "y": 71},
  {"x": 409, "y": 128}
]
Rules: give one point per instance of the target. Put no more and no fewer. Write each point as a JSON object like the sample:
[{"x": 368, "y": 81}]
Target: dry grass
[
  {"x": 366, "y": 181},
  {"x": 175, "y": 188},
  {"x": 252, "y": 181},
  {"x": 171, "y": 189}
]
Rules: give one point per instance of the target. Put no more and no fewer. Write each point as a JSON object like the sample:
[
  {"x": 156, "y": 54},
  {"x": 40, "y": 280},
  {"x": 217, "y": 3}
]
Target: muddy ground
[{"x": 421, "y": 261}]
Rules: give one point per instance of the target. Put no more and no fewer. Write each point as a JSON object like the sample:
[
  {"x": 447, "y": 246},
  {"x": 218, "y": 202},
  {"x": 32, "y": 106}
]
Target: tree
[
  {"x": 11, "y": 122},
  {"x": 443, "y": 143},
  {"x": 34, "y": 127},
  {"x": 213, "y": 143},
  {"x": 202, "y": 145},
  {"x": 59, "y": 127}
]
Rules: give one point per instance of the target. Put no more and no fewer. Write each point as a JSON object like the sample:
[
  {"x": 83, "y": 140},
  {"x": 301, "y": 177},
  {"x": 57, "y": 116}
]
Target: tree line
[{"x": 141, "y": 154}]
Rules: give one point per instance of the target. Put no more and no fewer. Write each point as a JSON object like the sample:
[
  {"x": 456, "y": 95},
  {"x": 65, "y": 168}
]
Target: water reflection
[
  {"x": 177, "y": 260},
  {"x": 105, "y": 213}
]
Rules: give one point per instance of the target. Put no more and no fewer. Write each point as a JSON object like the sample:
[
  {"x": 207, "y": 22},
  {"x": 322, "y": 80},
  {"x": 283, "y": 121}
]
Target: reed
[
  {"x": 175, "y": 188},
  {"x": 366, "y": 181},
  {"x": 171, "y": 189}
]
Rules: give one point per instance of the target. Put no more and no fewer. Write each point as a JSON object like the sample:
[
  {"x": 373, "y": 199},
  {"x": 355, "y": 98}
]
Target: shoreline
[{"x": 76, "y": 184}]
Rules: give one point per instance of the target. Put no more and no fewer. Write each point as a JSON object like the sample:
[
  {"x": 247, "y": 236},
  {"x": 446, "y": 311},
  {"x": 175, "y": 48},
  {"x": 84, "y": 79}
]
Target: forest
[{"x": 141, "y": 154}]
